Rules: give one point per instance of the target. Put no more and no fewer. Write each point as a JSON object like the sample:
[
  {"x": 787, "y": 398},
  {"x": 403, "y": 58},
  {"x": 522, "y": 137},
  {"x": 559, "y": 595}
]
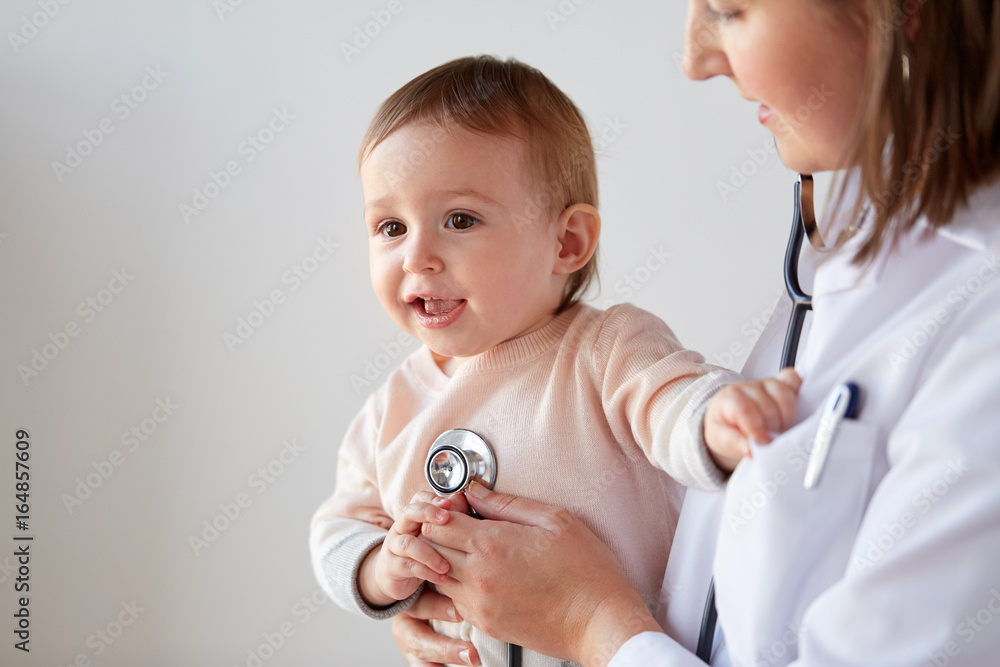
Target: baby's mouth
[
  {"x": 435, "y": 313},
  {"x": 435, "y": 307}
]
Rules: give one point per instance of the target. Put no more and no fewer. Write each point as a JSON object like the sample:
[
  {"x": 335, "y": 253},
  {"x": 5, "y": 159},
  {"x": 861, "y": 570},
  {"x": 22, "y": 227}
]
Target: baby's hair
[{"x": 506, "y": 98}]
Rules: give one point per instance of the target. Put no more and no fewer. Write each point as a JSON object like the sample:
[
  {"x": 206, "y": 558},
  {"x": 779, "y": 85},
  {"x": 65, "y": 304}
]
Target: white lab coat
[{"x": 894, "y": 558}]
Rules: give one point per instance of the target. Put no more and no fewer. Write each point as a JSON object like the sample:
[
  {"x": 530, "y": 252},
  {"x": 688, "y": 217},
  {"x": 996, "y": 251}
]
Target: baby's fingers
[
  {"x": 785, "y": 397},
  {"x": 409, "y": 556},
  {"x": 790, "y": 377},
  {"x": 753, "y": 412},
  {"x": 417, "y": 513},
  {"x": 423, "y": 497},
  {"x": 459, "y": 503}
]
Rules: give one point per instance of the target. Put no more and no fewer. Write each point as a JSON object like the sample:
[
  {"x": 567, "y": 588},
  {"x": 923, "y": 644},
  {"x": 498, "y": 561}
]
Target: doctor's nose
[
  {"x": 422, "y": 255},
  {"x": 702, "y": 57}
]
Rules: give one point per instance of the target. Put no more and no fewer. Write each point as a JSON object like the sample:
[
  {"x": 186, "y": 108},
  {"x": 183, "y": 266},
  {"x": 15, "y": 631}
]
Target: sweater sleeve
[
  {"x": 655, "y": 393},
  {"x": 353, "y": 520}
]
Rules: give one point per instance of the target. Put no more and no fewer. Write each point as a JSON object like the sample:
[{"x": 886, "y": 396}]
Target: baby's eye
[
  {"x": 461, "y": 221},
  {"x": 392, "y": 229}
]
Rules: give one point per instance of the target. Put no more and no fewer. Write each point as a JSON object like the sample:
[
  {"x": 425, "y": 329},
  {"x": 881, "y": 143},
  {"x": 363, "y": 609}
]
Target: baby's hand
[
  {"x": 403, "y": 561},
  {"x": 749, "y": 410}
]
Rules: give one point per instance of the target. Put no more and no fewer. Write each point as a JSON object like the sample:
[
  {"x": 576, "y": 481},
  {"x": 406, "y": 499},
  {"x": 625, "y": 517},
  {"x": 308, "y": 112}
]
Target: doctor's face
[{"x": 803, "y": 61}]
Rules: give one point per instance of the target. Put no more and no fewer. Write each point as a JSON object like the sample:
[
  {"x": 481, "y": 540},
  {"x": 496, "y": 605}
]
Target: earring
[{"x": 905, "y": 61}]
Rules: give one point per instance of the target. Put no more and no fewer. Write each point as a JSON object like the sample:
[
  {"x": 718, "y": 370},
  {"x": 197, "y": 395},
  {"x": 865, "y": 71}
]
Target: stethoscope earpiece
[{"x": 458, "y": 457}]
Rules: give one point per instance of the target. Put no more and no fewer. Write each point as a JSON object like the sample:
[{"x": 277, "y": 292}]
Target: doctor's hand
[
  {"x": 534, "y": 575},
  {"x": 748, "y": 411},
  {"x": 420, "y": 645},
  {"x": 396, "y": 568}
]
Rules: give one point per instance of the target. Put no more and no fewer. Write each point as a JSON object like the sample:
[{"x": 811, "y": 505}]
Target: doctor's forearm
[{"x": 613, "y": 623}]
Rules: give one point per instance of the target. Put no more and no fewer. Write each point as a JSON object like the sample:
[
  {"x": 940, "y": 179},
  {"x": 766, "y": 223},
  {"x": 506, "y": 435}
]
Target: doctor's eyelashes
[{"x": 720, "y": 16}]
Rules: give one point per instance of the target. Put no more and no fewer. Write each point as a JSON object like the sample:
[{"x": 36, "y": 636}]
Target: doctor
[{"x": 894, "y": 557}]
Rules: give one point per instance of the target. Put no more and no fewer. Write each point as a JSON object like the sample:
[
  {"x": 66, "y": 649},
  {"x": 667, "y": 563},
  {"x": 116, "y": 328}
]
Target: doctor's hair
[
  {"x": 508, "y": 99},
  {"x": 927, "y": 138}
]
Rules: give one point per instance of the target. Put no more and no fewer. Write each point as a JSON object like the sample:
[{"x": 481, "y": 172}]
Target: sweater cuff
[
  {"x": 338, "y": 566},
  {"x": 715, "y": 476},
  {"x": 378, "y": 612},
  {"x": 680, "y": 437}
]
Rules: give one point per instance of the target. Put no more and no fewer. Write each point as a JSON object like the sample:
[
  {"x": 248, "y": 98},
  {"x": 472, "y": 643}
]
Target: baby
[{"x": 480, "y": 192}]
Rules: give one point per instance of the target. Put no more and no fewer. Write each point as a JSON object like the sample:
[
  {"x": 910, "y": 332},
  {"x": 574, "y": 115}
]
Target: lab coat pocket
[{"x": 796, "y": 541}]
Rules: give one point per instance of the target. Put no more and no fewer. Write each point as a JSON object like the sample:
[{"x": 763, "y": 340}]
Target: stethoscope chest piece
[{"x": 458, "y": 457}]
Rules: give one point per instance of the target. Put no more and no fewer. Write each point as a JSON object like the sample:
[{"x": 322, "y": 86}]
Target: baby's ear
[{"x": 579, "y": 227}]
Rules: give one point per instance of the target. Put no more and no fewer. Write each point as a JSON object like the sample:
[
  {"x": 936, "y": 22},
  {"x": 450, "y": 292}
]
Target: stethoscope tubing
[
  {"x": 801, "y": 304},
  {"x": 513, "y": 655}
]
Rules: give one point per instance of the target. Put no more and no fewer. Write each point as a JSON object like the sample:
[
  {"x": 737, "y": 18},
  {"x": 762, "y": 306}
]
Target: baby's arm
[
  {"x": 655, "y": 393},
  {"x": 395, "y": 569},
  {"x": 353, "y": 523},
  {"x": 748, "y": 411}
]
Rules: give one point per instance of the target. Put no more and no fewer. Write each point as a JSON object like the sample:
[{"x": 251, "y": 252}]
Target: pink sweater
[{"x": 581, "y": 413}]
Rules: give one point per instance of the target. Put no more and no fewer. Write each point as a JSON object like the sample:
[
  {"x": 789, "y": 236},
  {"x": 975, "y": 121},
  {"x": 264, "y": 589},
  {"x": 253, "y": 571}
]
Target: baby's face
[{"x": 462, "y": 256}]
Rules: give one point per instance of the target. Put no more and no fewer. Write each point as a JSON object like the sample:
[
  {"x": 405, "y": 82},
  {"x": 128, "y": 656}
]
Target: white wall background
[{"x": 62, "y": 235}]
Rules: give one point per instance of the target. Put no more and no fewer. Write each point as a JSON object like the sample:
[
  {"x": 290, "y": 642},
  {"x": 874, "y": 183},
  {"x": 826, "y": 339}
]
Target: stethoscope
[
  {"x": 803, "y": 224},
  {"x": 457, "y": 458}
]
